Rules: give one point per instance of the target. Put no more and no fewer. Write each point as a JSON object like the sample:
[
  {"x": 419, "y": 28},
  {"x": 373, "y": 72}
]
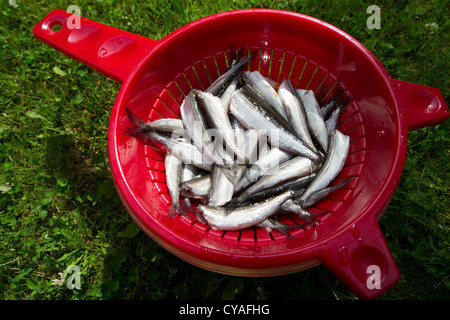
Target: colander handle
[
  {"x": 422, "y": 106},
  {"x": 112, "y": 52},
  {"x": 360, "y": 258}
]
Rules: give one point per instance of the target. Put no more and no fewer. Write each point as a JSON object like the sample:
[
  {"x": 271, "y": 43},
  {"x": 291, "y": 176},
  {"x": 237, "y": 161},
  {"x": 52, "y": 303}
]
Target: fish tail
[
  {"x": 283, "y": 227},
  {"x": 237, "y": 201},
  {"x": 344, "y": 100},
  {"x": 140, "y": 129},
  {"x": 283, "y": 230},
  {"x": 187, "y": 205},
  {"x": 333, "y": 101},
  {"x": 201, "y": 218},
  {"x": 234, "y": 57},
  {"x": 343, "y": 183},
  {"x": 133, "y": 131},
  {"x": 306, "y": 202},
  {"x": 310, "y": 217},
  {"x": 134, "y": 119},
  {"x": 322, "y": 93},
  {"x": 175, "y": 210},
  {"x": 137, "y": 132}
]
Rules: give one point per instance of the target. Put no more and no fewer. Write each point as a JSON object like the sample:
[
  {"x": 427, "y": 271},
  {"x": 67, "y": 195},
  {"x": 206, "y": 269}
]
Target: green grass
[{"x": 58, "y": 205}]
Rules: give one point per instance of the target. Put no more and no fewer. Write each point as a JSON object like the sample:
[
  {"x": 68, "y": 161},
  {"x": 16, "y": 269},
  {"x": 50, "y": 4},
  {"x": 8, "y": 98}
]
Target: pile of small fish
[{"x": 247, "y": 148}]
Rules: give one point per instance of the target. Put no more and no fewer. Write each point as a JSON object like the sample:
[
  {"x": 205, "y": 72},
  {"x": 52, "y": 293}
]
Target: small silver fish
[
  {"x": 219, "y": 85},
  {"x": 218, "y": 119},
  {"x": 319, "y": 195},
  {"x": 243, "y": 217},
  {"x": 225, "y": 98},
  {"x": 288, "y": 170},
  {"x": 332, "y": 116},
  {"x": 221, "y": 189},
  {"x": 333, "y": 164},
  {"x": 173, "y": 167},
  {"x": 295, "y": 112},
  {"x": 188, "y": 172},
  {"x": 239, "y": 133},
  {"x": 253, "y": 118},
  {"x": 338, "y": 100},
  {"x": 165, "y": 126},
  {"x": 255, "y": 145},
  {"x": 265, "y": 89},
  {"x": 197, "y": 128},
  {"x": 298, "y": 185},
  {"x": 266, "y": 108},
  {"x": 332, "y": 121},
  {"x": 315, "y": 119},
  {"x": 263, "y": 165}
]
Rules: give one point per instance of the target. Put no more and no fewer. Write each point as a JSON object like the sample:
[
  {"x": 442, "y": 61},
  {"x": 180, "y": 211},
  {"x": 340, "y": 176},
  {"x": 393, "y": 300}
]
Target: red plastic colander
[{"x": 156, "y": 76}]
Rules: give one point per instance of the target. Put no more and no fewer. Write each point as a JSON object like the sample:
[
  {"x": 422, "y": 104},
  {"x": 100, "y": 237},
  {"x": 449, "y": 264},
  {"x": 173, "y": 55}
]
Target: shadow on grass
[
  {"x": 134, "y": 267},
  {"x": 101, "y": 217}
]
